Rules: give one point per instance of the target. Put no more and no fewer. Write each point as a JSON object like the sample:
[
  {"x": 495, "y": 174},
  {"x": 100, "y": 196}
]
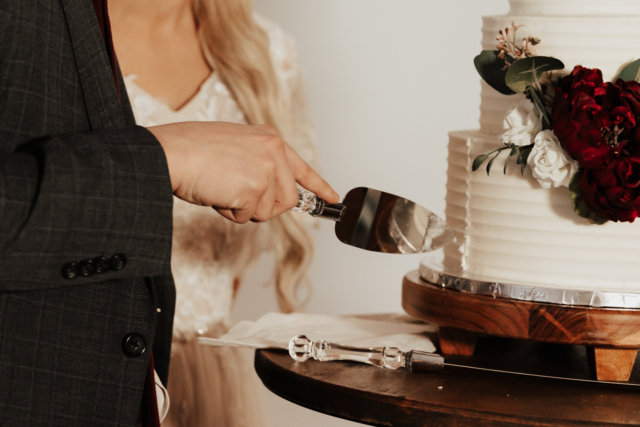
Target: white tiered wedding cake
[{"x": 508, "y": 228}]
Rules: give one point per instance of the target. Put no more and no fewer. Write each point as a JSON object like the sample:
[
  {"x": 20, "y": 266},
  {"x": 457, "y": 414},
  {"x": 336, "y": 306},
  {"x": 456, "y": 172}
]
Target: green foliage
[
  {"x": 479, "y": 161},
  {"x": 493, "y": 70},
  {"x": 630, "y": 73},
  {"x": 523, "y": 156},
  {"x": 482, "y": 157},
  {"x": 527, "y": 71},
  {"x": 577, "y": 200},
  {"x": 546, "y": 123},
  {"x": 491, "y": 162},
  {"x": 515, "y": 150}
]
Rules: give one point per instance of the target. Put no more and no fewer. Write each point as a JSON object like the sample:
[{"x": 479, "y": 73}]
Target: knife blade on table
[
  {"x": 302, "y": 348},
  {"x": 381, "y": 222}
]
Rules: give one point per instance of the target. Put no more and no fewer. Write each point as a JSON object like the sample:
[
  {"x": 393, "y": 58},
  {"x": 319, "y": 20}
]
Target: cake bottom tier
[{"x": 511, "y": 230}]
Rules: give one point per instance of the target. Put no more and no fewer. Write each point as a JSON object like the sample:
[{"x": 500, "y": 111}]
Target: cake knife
[
  {"x": 381, "y": 222},
  {"x": 302, "y": 349}
]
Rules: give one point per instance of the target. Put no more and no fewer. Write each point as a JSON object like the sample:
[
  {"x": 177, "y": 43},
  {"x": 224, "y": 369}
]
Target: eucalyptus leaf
[
  {"x": 478, "y": 161},
  {"x": 491, "y": 161},
  {"x": 514, "y": 150},
  {"x": 630, "y": 72},
  {"x": 492, "y": 69},
  {"x": 539, "y": 104},
  {"x": 577, "y": 200},
  {"x": 527, "y": 71},
  {"x": 523, "y": 156},
  {"x": 506, "y": 164}
]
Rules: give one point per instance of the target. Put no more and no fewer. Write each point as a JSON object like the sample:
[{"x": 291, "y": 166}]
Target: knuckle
[
  {"x": 257, "y": 186},
  {"x": 269, "y": 129},
  {"x": 261, "y": 215},
  {"x": 275, "y": 143}
]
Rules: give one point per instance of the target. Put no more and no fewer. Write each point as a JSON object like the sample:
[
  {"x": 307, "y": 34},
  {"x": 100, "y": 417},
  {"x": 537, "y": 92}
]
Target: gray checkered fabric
[{"x": 78, "y": 180}]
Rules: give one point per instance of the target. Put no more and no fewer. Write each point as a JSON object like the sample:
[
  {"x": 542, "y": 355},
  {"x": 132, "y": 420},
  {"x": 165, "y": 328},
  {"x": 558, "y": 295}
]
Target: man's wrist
[{"x": 163, "y": 134}]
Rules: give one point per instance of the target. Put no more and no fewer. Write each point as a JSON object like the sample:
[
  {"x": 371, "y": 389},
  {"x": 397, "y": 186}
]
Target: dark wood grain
[
  {"x": 520, "y": 319},
  {"x": 454, "y": 397},
  {"x": 612, "y": 329},
  {"x": 613, "y": 364},
  {"x": 456, "y": 341}
]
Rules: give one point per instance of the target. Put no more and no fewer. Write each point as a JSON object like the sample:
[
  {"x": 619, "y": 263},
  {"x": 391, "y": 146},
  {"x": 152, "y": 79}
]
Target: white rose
[
  {"x": 549, "y": 163},
  {"x": 522, "y": 123}
]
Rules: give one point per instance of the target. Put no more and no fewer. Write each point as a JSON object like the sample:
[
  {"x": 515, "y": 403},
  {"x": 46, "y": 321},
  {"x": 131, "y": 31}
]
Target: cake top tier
[{"x": 575, "y": 7}]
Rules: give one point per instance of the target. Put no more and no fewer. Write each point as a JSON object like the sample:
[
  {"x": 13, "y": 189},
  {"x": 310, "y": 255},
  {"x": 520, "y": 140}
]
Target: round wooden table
[{"x": 453, "y": 397}]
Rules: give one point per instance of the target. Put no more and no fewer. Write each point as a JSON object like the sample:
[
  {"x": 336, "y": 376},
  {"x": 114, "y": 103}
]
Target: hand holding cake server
[
  {"x": 257, "y": 182},
  {"x": 247, "y": 173}
]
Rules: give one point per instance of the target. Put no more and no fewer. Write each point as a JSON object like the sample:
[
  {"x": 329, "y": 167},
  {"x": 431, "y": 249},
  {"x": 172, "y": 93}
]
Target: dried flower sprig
[{"x": 509, "y": 50}]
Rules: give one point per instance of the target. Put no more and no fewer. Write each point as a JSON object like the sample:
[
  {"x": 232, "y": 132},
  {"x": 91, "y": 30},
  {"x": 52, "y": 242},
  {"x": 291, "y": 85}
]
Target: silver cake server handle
[{"x": 302, "y": 348}]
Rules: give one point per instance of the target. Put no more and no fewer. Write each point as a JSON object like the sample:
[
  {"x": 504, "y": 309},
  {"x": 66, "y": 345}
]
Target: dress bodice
[
  {"x": 212, "y": 102},
  {"x": 210, "y": 252}
]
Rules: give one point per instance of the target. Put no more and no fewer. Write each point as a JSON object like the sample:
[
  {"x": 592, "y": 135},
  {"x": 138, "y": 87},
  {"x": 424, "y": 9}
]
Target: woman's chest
[{"x": 212, "y": 102}]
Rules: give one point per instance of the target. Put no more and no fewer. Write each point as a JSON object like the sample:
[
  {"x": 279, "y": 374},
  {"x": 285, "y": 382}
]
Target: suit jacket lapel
[{"x": 98, "y": 86}]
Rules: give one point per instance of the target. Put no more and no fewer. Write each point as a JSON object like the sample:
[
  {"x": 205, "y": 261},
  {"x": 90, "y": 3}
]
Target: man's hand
[{"x": 244, "y": 172}]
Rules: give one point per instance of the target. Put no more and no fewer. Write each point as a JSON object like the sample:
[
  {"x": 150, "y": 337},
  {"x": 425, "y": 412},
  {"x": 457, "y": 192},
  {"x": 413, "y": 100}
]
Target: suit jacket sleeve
[{"x": 69, "y": 198}]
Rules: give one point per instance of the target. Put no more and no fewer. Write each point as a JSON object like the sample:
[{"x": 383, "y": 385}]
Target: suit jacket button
[
  {"x": 87, "y": 268},
  {"x": 70, "y": 270},
  {"x": 102, "y": 264},
  {"x": 118, "y": 261},
  {"x": 134, "y": 344}
]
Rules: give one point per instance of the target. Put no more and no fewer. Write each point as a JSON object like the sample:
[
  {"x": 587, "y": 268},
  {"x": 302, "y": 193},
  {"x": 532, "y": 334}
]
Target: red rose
[
  {"x": 594, "y": 121},
  {"x": 614, "y": 192}
]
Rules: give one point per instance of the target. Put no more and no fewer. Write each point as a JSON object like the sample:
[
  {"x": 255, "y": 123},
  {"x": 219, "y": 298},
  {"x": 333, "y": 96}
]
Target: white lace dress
[{"x": 214, "y": 387}]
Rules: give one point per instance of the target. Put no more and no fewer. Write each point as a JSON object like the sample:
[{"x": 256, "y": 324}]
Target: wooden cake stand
[{"x": 612, "y": 336}]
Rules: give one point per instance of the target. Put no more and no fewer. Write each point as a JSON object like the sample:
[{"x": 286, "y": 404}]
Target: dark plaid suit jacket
[{"x": 78, "y": 180}]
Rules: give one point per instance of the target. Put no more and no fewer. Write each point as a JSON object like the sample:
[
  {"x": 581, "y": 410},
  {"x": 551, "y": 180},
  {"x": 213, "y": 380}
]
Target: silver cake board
[{"x": 433, "y": 271}]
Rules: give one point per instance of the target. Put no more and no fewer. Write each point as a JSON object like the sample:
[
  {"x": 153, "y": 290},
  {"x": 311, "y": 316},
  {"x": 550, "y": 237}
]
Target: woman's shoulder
[{"x": 282, "y": 48}]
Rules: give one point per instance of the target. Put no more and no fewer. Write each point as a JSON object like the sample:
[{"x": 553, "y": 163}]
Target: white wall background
[{"x": 386, "y": 80}]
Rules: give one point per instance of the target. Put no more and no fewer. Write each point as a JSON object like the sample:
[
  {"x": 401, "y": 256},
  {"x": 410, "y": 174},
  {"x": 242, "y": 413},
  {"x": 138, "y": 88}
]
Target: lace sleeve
[{"x": 303, "y": 137}]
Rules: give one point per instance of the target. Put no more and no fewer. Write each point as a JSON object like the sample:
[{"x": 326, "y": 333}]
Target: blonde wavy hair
[{"x": 237, "y": 48}]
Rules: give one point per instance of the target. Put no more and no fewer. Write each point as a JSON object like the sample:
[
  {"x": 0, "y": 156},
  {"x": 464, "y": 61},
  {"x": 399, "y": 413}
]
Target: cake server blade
[
  {"x": 419, "y": 365},
  {"x": 381, "y": 222}
]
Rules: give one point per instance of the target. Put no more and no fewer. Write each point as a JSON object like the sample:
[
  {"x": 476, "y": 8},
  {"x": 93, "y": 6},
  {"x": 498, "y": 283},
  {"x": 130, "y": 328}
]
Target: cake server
[
  {"x": 381, "y": 222},
  {"x": 302, "y": 349}
]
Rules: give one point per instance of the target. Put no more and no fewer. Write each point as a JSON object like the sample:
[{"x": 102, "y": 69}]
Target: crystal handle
[
  {"x": 307, "y": 201},
  {"x": 315, "y": 206},
  {"x": 302, "y": 348}
]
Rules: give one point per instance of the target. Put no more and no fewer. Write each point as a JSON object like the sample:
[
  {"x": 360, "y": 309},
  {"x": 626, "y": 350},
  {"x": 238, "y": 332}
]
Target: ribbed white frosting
[
  {"x": 575, "y": 7},
  {"x": 511, "y": 230}
]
